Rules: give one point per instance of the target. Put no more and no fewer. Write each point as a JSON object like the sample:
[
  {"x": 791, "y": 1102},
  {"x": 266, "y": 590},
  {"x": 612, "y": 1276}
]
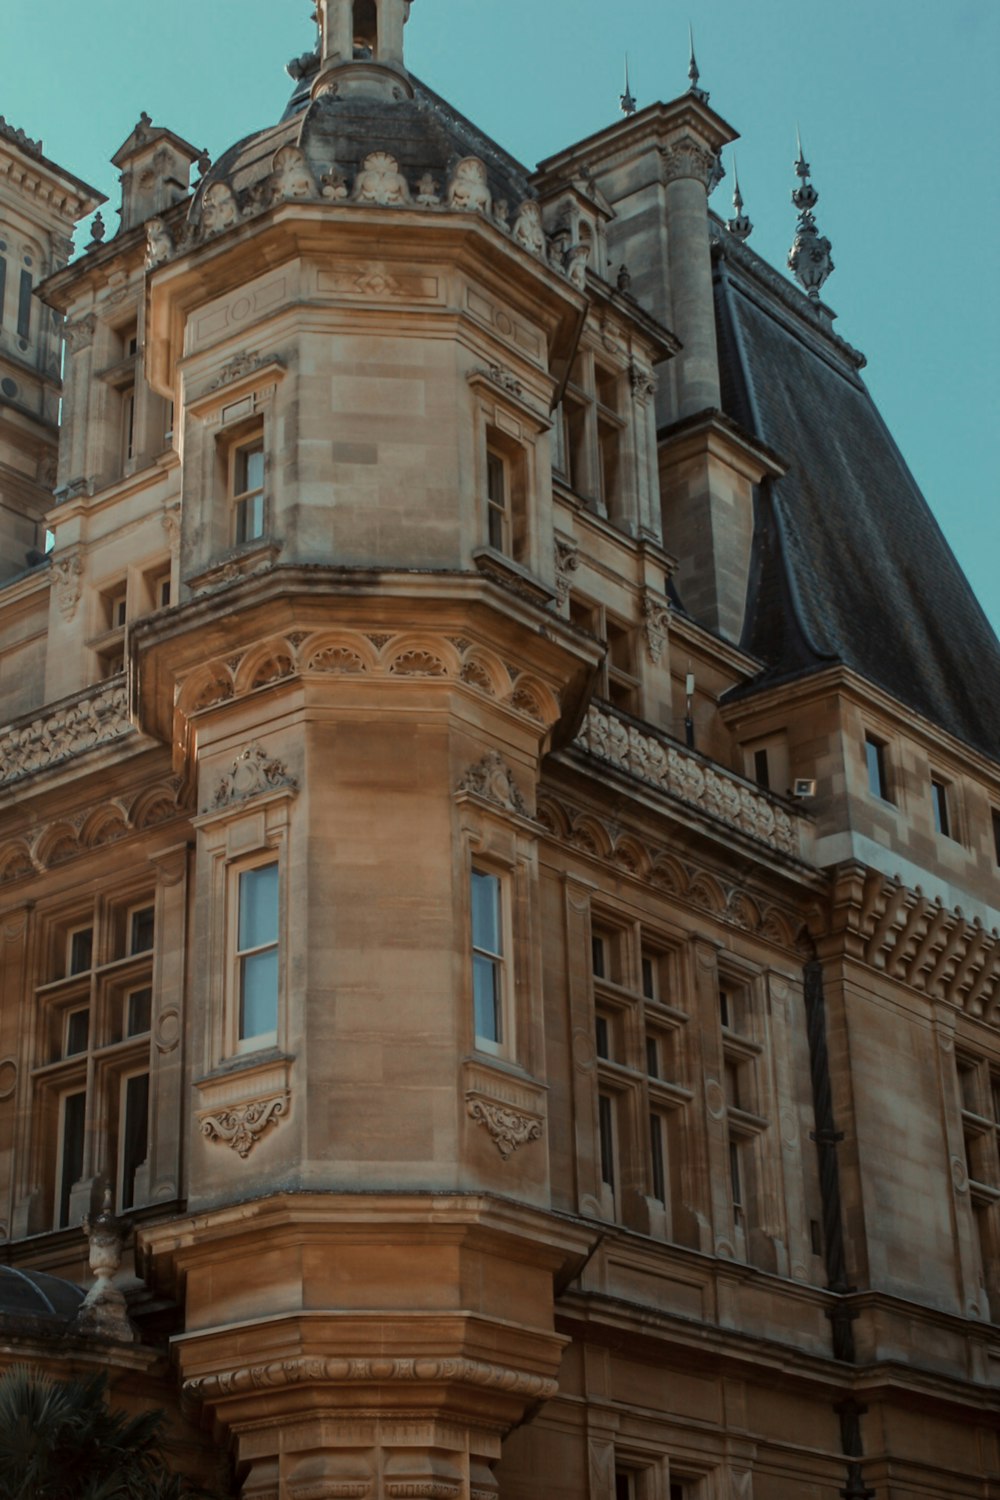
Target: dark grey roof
[
  {"x": 33, "y": 1294},
  {"x": 424, "y": 134},
  {"x": 849, "y": 564}
]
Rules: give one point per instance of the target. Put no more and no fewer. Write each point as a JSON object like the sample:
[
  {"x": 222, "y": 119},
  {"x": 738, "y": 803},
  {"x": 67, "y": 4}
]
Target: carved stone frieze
[
  {"x": 508, "y": 1128},
  {"x": 493, "y": 779},
  {"x": 241, "y": 1127},
  {"x": 67, "y": 582},
  {"x": 92, "y": 827},
  {"x": 253, "y": 772},
  {"x": 84, "y": 723},
  {"x": 682, "y": 774},
  {"x": 655, "y": 625},
  {"x": 341, "y": 1370}
]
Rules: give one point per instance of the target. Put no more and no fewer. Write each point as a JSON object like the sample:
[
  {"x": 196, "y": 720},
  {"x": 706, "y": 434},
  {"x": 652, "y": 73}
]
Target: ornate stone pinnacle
[
  {"x": 693, "y": 74},
  {"x": 809, "y": 259},
  {"x": 97, "y": 231},
  {"x": 628, "y": 104},
  {"x": 740, "y": 226}
]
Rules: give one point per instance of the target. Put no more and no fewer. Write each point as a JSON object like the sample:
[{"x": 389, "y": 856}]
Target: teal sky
[{"x": 898, "y": 103}]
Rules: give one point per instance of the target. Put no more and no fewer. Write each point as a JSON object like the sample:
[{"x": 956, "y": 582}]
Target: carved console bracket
[
  {"x": 242, "y": 1127},
  {"x": 508, "y": 1128}
]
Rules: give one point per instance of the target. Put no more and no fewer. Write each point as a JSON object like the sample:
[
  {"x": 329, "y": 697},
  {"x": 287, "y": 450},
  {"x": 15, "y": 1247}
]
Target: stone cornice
[{"x": 339, "y": 1370}]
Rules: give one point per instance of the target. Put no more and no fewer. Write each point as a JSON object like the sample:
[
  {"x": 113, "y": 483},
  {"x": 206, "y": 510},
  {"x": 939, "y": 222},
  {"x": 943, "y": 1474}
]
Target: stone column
[{"x": 688, "y": 165}]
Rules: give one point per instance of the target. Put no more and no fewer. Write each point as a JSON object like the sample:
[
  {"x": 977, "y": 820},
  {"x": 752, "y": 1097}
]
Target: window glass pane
[
  {"x": 650, "y": 987},
  {"x": 259, "y": 994},
  {"x": 77, "y": 1032},
  {"x": 24, "y": 306},
  {"x": 135, "y": 1133},
  {"x": 486, "y": 912},
  {"x": 603, "y": 1038},
  {"x": 652, "y": 1057},
  {"x": 141, "y": 931},
  {"x": 139, "y": 1012},
  {"x": 249, "y": 469},
  {"x": 875, "y": 757},
  {"x": 606, "y": 1127},
  {"x": 939, "y": 799},
  {"x": 495, "y": 486},
  {"x": 656, "y": 1154},
  {"x": 81, "y": 947},
  {"x": 258, "y": 907},
  {"x": 486, "y": 995},
  {"x": 74, "y": 1112},
  {"x": 250, "y": 519}
]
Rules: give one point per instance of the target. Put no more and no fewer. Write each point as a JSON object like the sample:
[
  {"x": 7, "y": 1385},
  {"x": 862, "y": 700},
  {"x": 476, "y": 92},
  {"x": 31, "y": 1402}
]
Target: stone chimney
[{"x": 155, "y": 170}]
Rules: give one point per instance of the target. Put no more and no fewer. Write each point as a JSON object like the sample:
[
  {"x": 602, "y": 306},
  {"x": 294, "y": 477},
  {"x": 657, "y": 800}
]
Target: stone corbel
[
  {"x": 508, "y": 1128},
  {"x": 241, "y": 1127}
]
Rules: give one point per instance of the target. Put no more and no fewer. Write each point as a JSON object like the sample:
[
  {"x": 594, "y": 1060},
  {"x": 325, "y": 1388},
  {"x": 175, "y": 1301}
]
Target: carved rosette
[
  {"x": 493, "y": 779},
  {"x": 241, "y": 1127},
  {"x": 508, "y": 1128},
  {"x": 252, "y": 773},
  {"x": 689, "y": 157}
]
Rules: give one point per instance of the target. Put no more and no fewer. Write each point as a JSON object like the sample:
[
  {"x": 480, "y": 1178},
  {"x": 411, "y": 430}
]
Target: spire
[
  {"x": 628, "y": 103},
  {"x": 693, "y": 74},
  {"x": 740, "y": 225},
  {"x": 809, "y": 258}
]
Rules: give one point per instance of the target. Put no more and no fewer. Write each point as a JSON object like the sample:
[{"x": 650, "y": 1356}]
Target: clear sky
[{"x": 898, "y": 102}]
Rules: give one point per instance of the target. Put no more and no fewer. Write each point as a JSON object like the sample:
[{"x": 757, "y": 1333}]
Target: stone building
[{"x": 499, "y": 824}]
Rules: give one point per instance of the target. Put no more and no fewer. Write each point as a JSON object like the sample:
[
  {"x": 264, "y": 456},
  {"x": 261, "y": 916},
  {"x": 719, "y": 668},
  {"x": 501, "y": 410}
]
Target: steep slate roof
[{"x": 849, "y": 564}]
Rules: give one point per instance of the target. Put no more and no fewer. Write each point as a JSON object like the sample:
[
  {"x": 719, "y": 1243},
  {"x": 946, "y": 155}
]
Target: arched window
[{"x": 365, "y": 28}]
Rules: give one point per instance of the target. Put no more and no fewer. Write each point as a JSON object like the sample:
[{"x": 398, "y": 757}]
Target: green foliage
[{"x": 62, "y": 1441}]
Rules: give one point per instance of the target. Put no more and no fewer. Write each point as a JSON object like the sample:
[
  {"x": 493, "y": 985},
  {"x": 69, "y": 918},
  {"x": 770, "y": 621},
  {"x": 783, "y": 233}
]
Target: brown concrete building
[{"x": 499, "y": 824}]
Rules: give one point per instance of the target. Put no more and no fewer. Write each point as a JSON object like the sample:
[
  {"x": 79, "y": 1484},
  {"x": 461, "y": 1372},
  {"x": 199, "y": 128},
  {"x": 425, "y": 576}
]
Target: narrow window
[
  {"x": 257, "y": 954},
  {"x": 77, "y": 1032},
  {"x": 659, "y": 1177},
  {"x": 725, "y": 1007},
  {"x": 3, "y": 285},
  {"x": 878, "y": 783},
  {"x": 995, "y": 815},
  {"x": 598, "y": 957},
  {"x": 138, "y": 1011},
  {"x": 603, "y": 1038},
  {"x": 939, "y": 802},
  {"x": 487, "y": 959},
  {"x": 624, "y": 1485},
  {"x": 24, "y": 307},
  {"x": 761, "y": 769},
  {"x": 678, "y": 1491},
  {"x": 736, "y": 1179},
  {"x": 605, "y": 1110},
  {"x": 248, "y": 491},
  {"x": 365, "y": 29},
  {"x": 650, "y": 984},
  {"x": 73, "y": 1110},
  {"x": 128, "y": 425},
  {"x": 652, "y": 1057},
  {"x": 497, "y": 502},
  {"x": 80, "y": 950},
  {"x": 134, "y": 1133},
  {"x": 141, "y": 926}
]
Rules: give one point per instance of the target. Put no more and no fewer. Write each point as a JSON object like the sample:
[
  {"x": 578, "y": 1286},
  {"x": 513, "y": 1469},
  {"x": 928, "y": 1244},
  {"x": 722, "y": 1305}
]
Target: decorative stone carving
[
  {"x": 656, "y": 625},
  {"x": 501, "y": 215},
  {"x": 67, "y": 574},
  {"x": 528, "y": 230},
  {"x": 82, "y": 724},
  {"x": 219, "y": 209},
  {"x": 159, "y": 244},
  {"x": 79, "y": 335},
  {"x": 381, "y": 181},
  {"x": 508, "y": 1128},
  {"x": 469, "y": 188},
  {"x": 244, "y": 363},
  {"x": 567, "y": 562},
  {"x": 242, "y": 1127},
  {"x": 341, "y": 1370},
  {"x": 642, "y": 381},
  {"x": 428, "y": 191},
  {"x": 688, "y": 157},
  {"x": 171, "y": 520},
  {"x": 253, "y": 772},
  {"x": 334, "y": 185},
  {"x": 577, "y": 257},
  {"x": 493, "y": 779},
  {"x": 505, "y": 379},
  {"x": 103, "y": 1310},
  {"x": 291, "y": 177}
]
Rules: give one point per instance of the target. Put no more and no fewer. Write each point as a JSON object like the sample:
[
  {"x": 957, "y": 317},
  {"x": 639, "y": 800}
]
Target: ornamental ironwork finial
[
  {"x": 628, "y": 104},
  {"x": 740, "y": 226},
  {"x": 809, "y": 259},
  {"x": 693, "y": 74}
]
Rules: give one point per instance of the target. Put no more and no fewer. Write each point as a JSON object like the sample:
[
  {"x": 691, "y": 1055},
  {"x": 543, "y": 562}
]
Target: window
[
  {"x": 741, "y": 1088},
  {"x": 618, "y": 679},
  {"x": 24, "y": 306},
  {"x": 487, "y": 960},
  {"x": 3, "y": 280},
  {"x": 939, "y": 804},
  {"x": 591, "y": 434},
  {"x": 640, "y": 1096},
  {"x": 257, "y": 956},
  {"x": 128, "y": 425},
  {"x": 496, "y": 499},
  {"x": 246, "y": 487},
  {"x": 875, "y": 757},
  {"x": 506, "y": 485},
  {"x": 979, "y": 1099},
  {"x": 91, "y": 1079},
  {"x": 995, "y": 819}
]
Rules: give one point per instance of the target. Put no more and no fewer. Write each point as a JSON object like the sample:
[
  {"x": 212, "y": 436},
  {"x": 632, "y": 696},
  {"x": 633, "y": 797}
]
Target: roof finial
[
  {"x": 740, "y": 225},
  {"x": 809, "y": 258},
  {"x": 628, "y": 103},
  {"x": 693, "y": 73}
]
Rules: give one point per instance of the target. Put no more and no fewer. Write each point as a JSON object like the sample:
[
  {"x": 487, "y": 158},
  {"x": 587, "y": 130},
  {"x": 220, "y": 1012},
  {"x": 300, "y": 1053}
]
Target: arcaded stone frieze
[
  {"x": 307, "y": 1370},
  {"x": 658, "y": 865},
  {"x": 680, "y": 773},
  {"x": 911, "y": 937},
  {"x": 84, "y": 723},
  {"x": 92, "y": 827}
]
